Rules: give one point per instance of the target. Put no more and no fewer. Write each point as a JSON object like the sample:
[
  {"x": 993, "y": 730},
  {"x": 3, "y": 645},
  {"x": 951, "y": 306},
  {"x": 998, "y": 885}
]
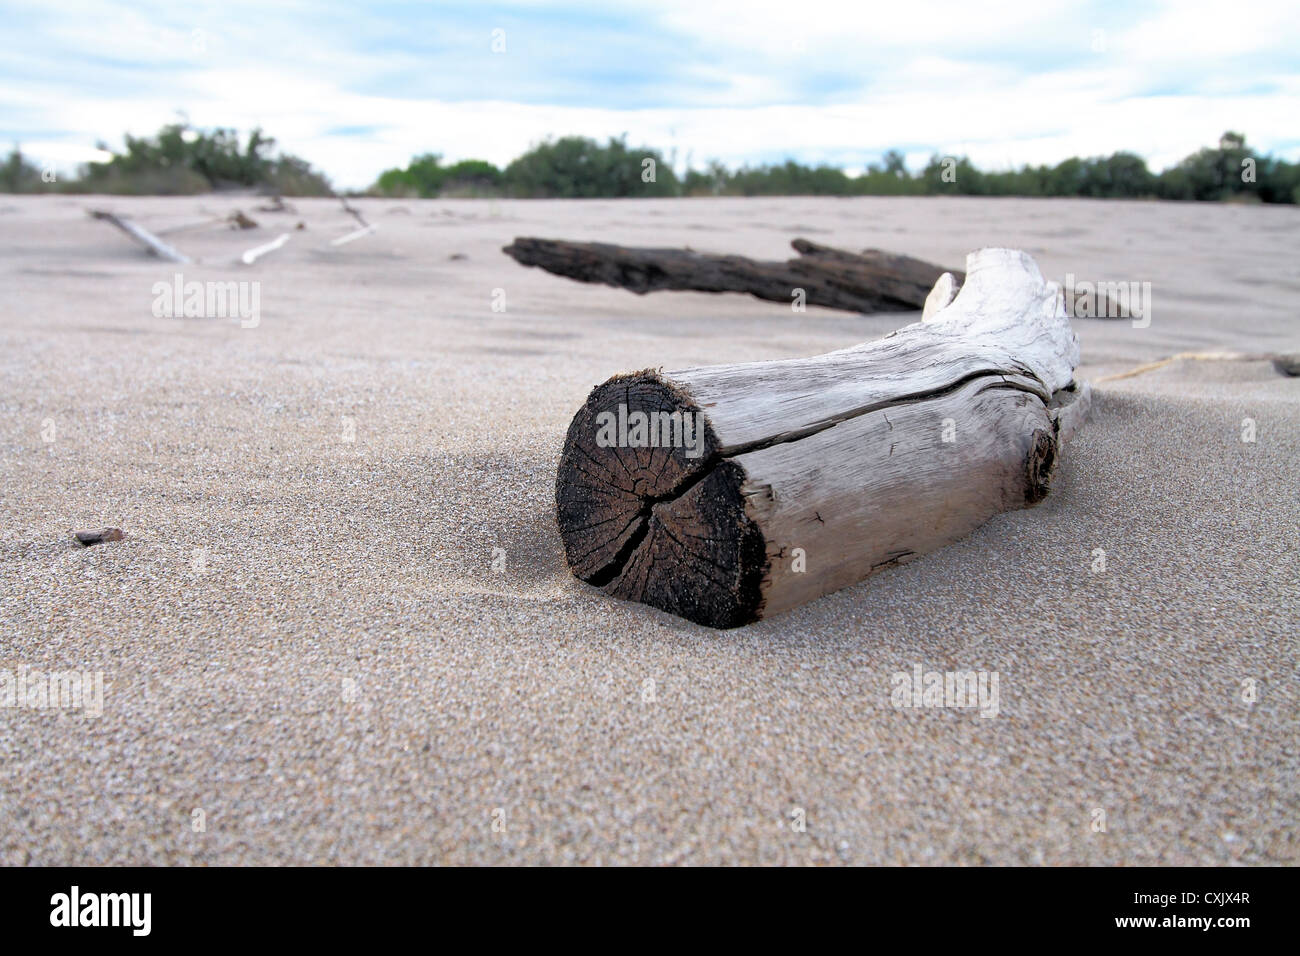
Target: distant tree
[
  {"x": 472, "y": 177},
  {"x": 894, "y": 163},
  {"x": 790, "y": 179},
  {"x": 953, "y": 175},
  {"x": 712, "y": 181},
  {"x": 575, "y": 167},
  {"x": 181, "y": 159},
  {"x": 19, "y": 176},
  {"x": 1214, "y": 173}
]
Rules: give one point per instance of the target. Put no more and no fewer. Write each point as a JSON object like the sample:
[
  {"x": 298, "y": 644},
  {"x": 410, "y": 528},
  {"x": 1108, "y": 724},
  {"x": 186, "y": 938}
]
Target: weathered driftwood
[
  {"x": 143, "y": 236},
  {"x": 867, "y": 281},
  {"x": 755, "y": 488},
  {"x": 870, "y": 281}
]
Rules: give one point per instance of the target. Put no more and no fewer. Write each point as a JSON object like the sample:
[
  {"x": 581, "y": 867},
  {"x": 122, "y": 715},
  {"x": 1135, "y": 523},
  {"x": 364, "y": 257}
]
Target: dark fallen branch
[
  {"x": 867, "y": 281},
  {"x": 870, "y": 281}
]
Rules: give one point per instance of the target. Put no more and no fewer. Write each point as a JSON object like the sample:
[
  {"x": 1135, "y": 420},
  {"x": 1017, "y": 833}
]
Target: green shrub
[{"x": 575, "y": 167}]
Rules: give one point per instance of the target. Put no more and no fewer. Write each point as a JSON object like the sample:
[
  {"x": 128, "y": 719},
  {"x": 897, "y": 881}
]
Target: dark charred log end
[
  {"x": 665, "y": 526},
  {"x": 1040, "y": 466}
]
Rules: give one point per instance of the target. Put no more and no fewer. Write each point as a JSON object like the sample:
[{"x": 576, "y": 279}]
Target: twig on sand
[
  {"x": 1278, "y": 362},
  {"x": 143, "y": 236},
  {"x": 353, "y": 211},
  {"x": 252, "y": 255},
  {"x": 239, "y": 220},
  {"x": 277, "y": 204},
  {"x": 366, "y": 227},
  {"x": 192, "y": 226},
  {"x": 355, "y": 234},
  {"x": 98, "y": 536}
]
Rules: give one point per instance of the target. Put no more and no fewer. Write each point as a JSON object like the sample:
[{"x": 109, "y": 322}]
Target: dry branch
[
  {"x": 353, "y": 235},
  {"x": 252, "y": 255},
  {"x": 871, "y": 281},
  {"x": 142, "y": 236},
  {"x": 755, "y": 488}
]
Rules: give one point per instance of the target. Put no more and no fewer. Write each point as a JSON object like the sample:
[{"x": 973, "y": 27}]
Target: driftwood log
[
  {"x": 867, "y": 281},
  {"x": 726, "y": 494},
  {"x": 870, "y": 281}
]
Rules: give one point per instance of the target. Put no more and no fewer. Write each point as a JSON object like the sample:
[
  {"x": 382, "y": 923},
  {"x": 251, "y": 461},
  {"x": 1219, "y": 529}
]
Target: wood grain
[
  {"x": 870, "y": 281},
  {"x": 814, "y": 473}
]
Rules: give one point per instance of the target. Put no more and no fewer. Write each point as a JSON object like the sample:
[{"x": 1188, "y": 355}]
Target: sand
[{"x": 303, "y": 637}]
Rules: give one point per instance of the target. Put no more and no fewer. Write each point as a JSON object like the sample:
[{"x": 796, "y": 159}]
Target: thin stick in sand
[
  {"x": 143, "y": 236},
  {"x": 1281, "y": 362},
  {"x": 252, "y": 255},
  {"x": 355, "y": 234},
  {"x": 365, "y": 230}
]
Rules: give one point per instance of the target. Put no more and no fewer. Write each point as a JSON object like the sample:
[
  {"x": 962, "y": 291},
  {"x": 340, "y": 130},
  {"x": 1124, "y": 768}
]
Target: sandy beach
[{"x": 341, "y": 630}]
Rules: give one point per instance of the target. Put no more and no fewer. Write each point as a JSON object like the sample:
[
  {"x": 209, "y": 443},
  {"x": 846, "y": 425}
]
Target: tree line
[
  {"x": 180, "y": 159},
  {"x": 577, "y": 168}
]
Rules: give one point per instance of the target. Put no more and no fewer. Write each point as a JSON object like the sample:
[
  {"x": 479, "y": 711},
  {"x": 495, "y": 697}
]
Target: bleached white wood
[
  {"x": 945, "y": 289},
  {"x": 821, "y": 471},
  {"x": 143, "y": 236},
  {"x": 1005, "y": 320},
  {"x": 252, "y": 255},
  {"x": 353, "y": 235}
]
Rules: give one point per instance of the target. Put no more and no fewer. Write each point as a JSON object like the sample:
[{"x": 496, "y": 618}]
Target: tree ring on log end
[{"x": 650, "y": 511}]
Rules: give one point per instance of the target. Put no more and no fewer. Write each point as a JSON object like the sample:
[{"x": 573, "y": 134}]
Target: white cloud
[{"x": 1020, "y": 85}]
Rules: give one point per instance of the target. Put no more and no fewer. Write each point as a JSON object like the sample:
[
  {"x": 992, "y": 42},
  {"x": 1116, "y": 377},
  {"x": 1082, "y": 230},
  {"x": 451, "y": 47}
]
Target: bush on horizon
[
  {"x": 576, "y": 168},
  {"x": 425, "y": 178},
  {"x": 181, "y": 160}
]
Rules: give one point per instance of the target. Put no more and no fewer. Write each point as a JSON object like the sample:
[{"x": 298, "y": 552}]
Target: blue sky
[{"x": 358, "y": 87}]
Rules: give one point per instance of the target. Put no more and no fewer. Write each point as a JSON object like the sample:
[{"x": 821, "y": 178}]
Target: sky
[{"x": 359, "y": 87}]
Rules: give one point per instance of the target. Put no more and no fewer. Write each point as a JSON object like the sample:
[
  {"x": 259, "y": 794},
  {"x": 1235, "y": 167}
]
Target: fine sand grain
[{"x": 303, "y": 636}]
